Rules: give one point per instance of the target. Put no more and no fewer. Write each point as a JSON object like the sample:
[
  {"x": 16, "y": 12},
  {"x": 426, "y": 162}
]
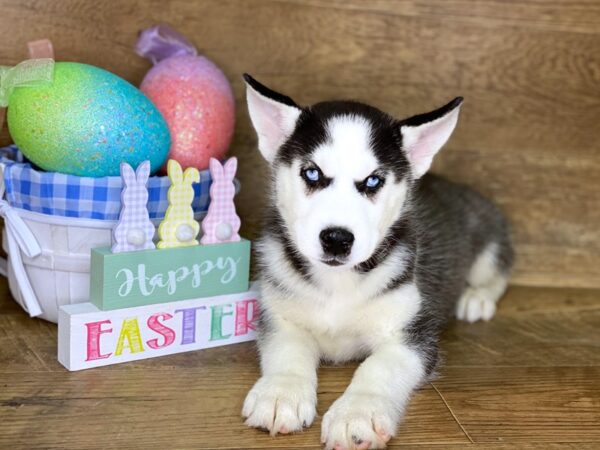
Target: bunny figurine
[
  {"x": 221, "y": 223},
  {"x": 134, "y": 231},
  {"x": 179, "y": 228}
]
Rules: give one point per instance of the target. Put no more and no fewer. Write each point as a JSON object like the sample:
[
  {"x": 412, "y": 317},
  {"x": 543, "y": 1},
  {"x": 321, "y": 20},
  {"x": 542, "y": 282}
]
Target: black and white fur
[{"x": 356, "y": 272}]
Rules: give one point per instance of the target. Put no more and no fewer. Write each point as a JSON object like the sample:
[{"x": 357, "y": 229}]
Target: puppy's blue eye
[
  {"x": 370, "y": 185},
  {"x": 373, "y": 182},
  {"x": 312, "y": 174}
]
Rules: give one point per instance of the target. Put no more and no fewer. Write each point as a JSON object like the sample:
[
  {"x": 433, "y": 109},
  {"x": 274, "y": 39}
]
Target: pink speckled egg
[{"x": 194, "y": 97}]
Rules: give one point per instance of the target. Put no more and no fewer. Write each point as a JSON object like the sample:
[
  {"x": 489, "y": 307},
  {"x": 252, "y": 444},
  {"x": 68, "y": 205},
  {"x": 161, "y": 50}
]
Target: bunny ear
[
  {"x": 230, "y": 168},
  {"x": 191, "y": 175},
  {"x": 127, "y": 174},
  {"x": 216, "y": 169},
  {"x": 143, "y": 172},
  {"x": 174, "y": 171}
]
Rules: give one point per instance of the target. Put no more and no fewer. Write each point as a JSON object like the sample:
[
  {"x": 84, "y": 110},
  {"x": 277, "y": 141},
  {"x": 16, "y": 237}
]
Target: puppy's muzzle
[{"x": 337, "y": 244}]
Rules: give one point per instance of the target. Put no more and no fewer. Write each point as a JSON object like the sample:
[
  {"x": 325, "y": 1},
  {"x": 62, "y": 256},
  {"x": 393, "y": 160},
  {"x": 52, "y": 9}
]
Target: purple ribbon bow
[{"x": 161, "y": 42}]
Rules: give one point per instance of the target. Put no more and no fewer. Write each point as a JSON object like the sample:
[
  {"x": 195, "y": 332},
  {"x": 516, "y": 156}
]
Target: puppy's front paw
[
  {"x": 281, "y": 404},
  {"x": 360, "y": 422}
]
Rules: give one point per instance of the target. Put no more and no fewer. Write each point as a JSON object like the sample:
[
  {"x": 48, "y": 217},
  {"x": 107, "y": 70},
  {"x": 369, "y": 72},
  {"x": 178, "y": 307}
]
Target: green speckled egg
[{"x": 86, "y": 123}]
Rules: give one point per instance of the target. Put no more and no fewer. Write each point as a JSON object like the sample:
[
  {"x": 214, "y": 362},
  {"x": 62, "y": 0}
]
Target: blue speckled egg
[{"x": 86, "y": 123}]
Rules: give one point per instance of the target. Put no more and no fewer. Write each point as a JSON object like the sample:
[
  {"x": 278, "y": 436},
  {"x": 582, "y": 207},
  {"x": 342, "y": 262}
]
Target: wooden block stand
[
  {"x": 89, "y": 337},
  {"x": 159, "y": 302}
]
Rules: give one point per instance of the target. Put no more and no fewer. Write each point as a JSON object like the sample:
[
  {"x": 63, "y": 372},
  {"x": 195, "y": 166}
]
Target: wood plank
[
  {"x": 499, "y": 446},
  {"x": 565, "y": 15},
  {"x": 533, "y": 327},
  {"x": 529, "y": 375},
  {"x": 26, "y": 345},
  {"x": 525, "y": 404},
  {"x": 196, "y": 407}
]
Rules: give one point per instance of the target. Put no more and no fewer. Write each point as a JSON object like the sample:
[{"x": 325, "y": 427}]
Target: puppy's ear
[
  {"x": 424, "y": 135},
  {"x": 273, "y": 115}
]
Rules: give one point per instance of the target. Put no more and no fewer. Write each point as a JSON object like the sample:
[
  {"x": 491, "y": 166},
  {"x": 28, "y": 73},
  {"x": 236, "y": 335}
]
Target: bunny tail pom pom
[{"x": 136, "y": 237}]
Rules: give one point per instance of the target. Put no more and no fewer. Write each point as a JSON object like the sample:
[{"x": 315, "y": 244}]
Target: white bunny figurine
[
  {"x": 221, "y": 223},
  {"x": 134, "y": 231}
]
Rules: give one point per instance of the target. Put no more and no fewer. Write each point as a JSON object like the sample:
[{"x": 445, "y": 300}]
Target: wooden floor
[{"x": 528, "y": 379}]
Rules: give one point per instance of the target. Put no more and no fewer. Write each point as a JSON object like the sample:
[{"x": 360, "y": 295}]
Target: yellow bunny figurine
[{"x": 178, "y": 228}]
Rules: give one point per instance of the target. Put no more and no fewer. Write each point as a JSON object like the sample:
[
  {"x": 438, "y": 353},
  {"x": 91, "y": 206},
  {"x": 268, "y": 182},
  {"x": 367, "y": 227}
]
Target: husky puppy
[{"x": 363, "y": 257}]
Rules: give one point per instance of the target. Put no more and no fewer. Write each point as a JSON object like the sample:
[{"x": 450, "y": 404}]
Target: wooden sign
[
  {"x": 89, "y": 337},
  {"x": 123, "y": 280}
]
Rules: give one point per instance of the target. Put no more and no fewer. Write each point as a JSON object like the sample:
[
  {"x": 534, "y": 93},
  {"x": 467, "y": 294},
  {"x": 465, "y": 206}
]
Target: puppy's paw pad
[
  {"x": 280, "y": 404},
  {"x": 359, "y": 422},
  {"x": 475, "y": 305}
]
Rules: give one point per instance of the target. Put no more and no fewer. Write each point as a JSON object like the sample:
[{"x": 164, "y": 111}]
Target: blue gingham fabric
[{"x": 58, "y": 194}]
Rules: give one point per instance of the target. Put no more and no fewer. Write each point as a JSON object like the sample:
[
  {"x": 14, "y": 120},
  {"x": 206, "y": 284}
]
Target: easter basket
[{"x": 53, "y": 220}]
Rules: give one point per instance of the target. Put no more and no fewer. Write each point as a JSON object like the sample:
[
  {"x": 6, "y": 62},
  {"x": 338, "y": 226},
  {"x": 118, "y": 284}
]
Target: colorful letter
[
  {"x": 216, "y": 321},
  {"x": 155, "y": 325},
  {"x": 243, "y": 323},
  {"x": 130, "y": 331},
  {"x": 94, "y": 330},
  {"x": 188, "y": 327}
]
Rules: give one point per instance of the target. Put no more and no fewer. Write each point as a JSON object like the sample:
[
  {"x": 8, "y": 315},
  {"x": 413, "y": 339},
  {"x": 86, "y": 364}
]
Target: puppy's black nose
[{"x": 336, "y": 241}]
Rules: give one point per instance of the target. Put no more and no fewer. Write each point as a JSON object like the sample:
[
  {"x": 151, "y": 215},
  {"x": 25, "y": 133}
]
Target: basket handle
[{"x": 19, "y": 238}]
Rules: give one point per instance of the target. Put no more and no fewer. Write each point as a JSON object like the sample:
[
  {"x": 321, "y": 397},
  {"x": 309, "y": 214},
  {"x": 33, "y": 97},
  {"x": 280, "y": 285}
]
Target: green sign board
[{"x": 124, "y": 280}]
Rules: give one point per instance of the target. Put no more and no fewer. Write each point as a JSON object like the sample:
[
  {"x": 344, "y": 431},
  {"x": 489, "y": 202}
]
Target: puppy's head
[{"x": 343, "y": 170}]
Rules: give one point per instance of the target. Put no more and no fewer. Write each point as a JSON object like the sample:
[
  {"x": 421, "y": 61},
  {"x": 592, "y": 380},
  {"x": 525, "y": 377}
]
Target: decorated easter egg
[
  {"x": 193, "y": 95},
  {"x": 86, "y": 122}
]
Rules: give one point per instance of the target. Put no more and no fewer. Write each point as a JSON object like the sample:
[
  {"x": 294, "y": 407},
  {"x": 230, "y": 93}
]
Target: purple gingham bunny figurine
[
  {"x": 221, "y": 223},
  {"x": 134, "y": 231}
]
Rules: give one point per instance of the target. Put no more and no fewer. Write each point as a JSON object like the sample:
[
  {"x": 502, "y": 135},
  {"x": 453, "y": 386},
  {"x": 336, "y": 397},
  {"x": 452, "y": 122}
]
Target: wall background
[{"x": 529, "y": 134}]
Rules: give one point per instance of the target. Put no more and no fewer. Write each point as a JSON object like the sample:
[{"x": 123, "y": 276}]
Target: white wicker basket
[
  {"x": 48, "y": 262},
  {"x": 60, "y": 273}
]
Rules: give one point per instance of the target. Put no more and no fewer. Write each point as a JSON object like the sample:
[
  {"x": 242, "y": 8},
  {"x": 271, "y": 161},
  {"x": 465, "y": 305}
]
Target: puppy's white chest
[{"x": 348, "y": 326}]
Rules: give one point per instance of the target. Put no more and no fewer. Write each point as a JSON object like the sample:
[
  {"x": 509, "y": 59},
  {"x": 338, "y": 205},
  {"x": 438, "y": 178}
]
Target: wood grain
[
  {"x": 527, "y": 379},
  {"x": 529, "y": 70},
  {"x": 194, "y": 407},
  {"x": 561, "y": 325},
  {"x": 525, "y": 404}
]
